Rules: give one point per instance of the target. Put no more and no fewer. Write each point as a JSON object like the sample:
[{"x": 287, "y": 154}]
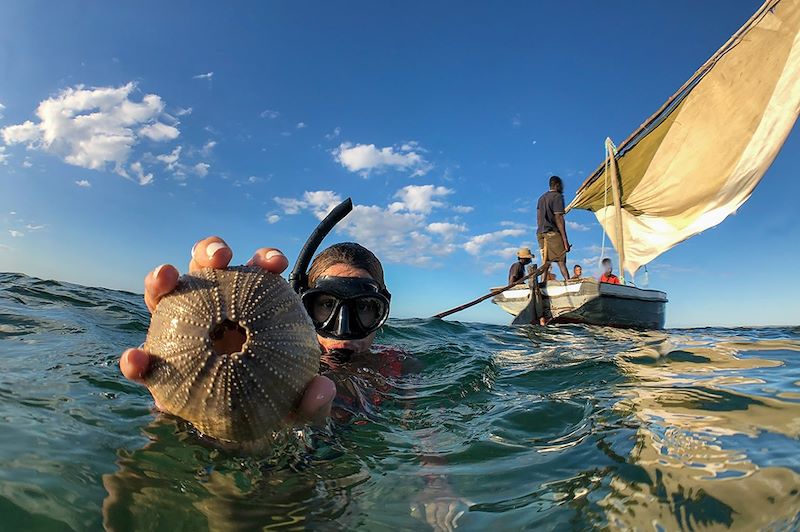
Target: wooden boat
[
  {"x": 586, "y": 301},
  {"x": 685, "y": 169}
]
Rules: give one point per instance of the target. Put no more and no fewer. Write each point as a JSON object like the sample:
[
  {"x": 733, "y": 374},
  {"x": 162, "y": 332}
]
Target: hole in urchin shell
[{"x": 228, "y": 337}]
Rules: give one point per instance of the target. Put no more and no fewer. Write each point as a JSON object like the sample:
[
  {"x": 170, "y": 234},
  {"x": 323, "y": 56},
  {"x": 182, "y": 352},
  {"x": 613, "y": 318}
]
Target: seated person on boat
[
  {"x": 577, "y": 271},
  {"x": 608, "y": 272},
  {"x": 517, "y": 271}
]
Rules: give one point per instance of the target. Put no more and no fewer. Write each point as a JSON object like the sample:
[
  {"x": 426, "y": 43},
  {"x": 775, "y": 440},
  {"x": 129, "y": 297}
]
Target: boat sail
[
  {"x": 699, "y": 157},
  {"x": 684, "y": 170}
]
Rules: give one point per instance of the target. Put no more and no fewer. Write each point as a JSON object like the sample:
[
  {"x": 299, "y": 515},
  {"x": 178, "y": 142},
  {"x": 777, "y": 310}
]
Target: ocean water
[{"x": 487, "y": 428}]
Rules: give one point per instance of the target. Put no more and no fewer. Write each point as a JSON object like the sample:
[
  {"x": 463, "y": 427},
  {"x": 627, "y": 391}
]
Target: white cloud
[
  {"x": 273, "y": 218},
  {"x": 32, "y": 227},
  {"x": 26, "y": 163},
  {"x": 494, "y": 267},
  {"x": 395, "y": 234},
  {"x": 93, "y": 128},
  {"x": 138, "y": 171},
  {"x": 201, "y": 169},
  {"x": 286, "y": 134},
  {"x": 575, "y": 226},
  {"x": 207, "y": 147},
  {"x": 83, "y": 183},
  {"x": 2, "y": 108},
  {"x": 182, "y": 112},
  {"x": 171, "y": 159},
  {"x": 333, "y": 134},
  {"x": 300, "y": 125},
  {"x": 516, "y": 120},
  {"x": 159, "y": 132},
  {"x": 420, "y": 198},
  {"x": 475, "y": 244},
  {"x": 446, "y": 229},
  {"x": 207, "y": 75},
  {"x": 16, "y": 234},
  {"x": 367, "y": 158},
  {"x": 464, "y": 209},
  {"x": 269, "y": 113},
  {"x": 3, "y": 155}
]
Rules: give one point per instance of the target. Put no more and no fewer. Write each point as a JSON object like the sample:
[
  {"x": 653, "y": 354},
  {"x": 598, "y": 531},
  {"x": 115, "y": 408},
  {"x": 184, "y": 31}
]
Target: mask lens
[
  {"x": 320, "y": 307},
  {"x": 370, "y": 311}
]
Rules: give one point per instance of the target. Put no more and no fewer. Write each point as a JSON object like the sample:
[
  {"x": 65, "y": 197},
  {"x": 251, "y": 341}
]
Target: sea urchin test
[{"x": 232, "y": 352}]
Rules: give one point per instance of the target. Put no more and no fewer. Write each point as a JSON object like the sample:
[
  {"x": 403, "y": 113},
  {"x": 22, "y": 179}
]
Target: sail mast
[{"x": 611, "y": 158}]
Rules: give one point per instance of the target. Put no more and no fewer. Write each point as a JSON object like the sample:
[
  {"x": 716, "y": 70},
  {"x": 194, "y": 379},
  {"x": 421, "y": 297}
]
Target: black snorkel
[{"x": 298, "y": 279}]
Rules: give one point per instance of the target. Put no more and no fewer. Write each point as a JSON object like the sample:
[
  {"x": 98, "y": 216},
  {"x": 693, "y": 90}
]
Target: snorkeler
[{"x": 346, "y": 299}]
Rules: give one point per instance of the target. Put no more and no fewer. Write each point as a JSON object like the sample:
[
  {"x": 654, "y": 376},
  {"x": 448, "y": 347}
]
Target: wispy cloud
[
  {"x": 463, "y": 209},
  {"x": 334, "y": 134},
  {"x": 201, "y": 169},
  {"x": 420, "y": 198},
  {"x": 273, "y": 218},
  {"x": 2, "y": 108},
  {"x": 367, "y": 158},
  {"x": 207, "y": 75},
  {"x": 575, "y": 226},
  {"x": 475, "y": 245},
  {"x": 3, "y": 155},
  {"x": 301, "y": 125},
  {"x": 16, "y": 234},
  {"x": 516, "y": 120},
  {"x": 180, "y": 111},
  {"x": 93, "y": 128},
  {"x": 399, "y": 235},
  {"x": 83, "y": 183},
  {"x": 269, "y": 113}
]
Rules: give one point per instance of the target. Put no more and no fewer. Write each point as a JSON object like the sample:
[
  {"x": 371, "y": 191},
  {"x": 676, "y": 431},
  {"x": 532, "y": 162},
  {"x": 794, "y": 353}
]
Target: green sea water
[{"x": 487, "y": 428}]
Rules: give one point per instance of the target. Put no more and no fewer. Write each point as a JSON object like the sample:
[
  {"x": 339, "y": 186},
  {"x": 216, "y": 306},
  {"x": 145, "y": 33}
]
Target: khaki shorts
[{"x": 552, "y": 247}]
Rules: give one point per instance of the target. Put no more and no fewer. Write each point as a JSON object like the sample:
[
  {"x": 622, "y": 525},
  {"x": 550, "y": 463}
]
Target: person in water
[
  {"x": 577, "y": 271},
  {"x": 346, "y": 299},
  {"x": 551, "y": 231},
  {"x": 608, "y": 272},
  {"x": 517, "y": 270}
]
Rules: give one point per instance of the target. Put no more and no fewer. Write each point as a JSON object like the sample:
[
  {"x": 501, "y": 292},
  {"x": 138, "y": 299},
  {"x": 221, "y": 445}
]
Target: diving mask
[{"x": 346, "y": 308}]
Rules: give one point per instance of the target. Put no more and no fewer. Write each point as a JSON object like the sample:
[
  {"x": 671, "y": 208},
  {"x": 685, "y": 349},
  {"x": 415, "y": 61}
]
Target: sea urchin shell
[{"x": 232, "y": 352}]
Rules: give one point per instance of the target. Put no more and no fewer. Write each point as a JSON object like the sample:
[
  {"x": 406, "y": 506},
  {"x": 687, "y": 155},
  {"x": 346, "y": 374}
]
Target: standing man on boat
[
  {"x": 517, "y": 270},
  {"x": 551, "y": 231}
]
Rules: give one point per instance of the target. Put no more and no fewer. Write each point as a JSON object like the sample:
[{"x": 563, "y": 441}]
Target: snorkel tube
[{"x": 298, "y": 279}]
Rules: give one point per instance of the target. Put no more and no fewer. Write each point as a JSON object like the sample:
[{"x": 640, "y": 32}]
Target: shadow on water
[{"x": 485, "y": 426}]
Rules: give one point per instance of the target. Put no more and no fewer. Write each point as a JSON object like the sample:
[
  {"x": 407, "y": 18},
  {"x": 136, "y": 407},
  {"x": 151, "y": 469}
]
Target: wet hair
[
  {"x": 349, "y": 253},
  {"x": 555, "y": 181},
  {"x": 606, "y": 261}
]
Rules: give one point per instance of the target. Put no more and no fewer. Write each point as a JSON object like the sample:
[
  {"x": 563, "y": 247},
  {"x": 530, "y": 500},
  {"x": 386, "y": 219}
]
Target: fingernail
[
  {"x": 272, "y": 253},
  {"x": 212, "y": 248},
  {"x": 155, "y": 272}
]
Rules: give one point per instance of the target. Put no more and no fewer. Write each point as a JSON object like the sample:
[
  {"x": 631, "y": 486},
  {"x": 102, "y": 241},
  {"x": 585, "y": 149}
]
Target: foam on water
[{"x": 563, "y": 427}]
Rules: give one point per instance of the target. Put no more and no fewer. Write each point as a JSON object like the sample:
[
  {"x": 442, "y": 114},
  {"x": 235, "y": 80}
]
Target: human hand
[
  {"x": 213, "y": 252},
  {"x": 567, "y": 246}
]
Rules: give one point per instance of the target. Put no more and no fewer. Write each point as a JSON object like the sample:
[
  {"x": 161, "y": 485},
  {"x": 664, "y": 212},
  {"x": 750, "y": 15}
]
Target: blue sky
[{"x": 155, "y": 124}]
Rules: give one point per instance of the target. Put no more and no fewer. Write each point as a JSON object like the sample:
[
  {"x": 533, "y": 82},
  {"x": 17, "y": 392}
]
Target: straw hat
[{"x": 524, "y": 253}]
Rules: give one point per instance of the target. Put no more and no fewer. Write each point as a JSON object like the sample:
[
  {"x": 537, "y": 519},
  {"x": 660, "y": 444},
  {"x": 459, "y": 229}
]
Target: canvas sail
[{"x": 701, "y": 155}]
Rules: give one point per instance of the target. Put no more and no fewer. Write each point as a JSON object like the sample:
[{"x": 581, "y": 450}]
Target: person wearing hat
[{"x": 517, "y": 271}]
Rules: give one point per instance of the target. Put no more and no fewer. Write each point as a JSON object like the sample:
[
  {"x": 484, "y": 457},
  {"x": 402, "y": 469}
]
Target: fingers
[
  {"x": 316, "y": 403},
  {"x": 158, "y": 283},
  {"x": 270, "y": 259},
  {"x": 134, "y": 364},
  {"x": 211, "y": 252}
]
